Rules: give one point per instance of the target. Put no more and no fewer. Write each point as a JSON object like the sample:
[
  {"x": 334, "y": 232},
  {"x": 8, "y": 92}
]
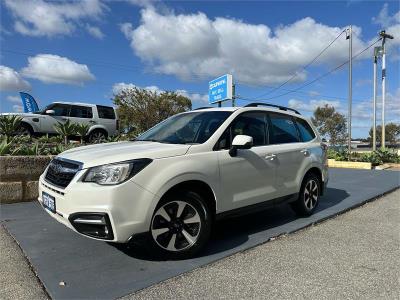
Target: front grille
[{"x": 61, "y": 172}]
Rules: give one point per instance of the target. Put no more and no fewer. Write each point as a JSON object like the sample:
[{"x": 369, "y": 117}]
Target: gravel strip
[{"x": 17, "y": 280}]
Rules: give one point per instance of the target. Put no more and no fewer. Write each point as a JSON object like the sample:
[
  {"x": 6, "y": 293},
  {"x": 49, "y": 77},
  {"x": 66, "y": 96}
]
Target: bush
[{"x": 377, "y": 157}]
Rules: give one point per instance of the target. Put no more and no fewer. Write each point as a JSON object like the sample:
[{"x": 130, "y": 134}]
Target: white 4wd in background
[
  {"x": 177, "y": 178},
  {"x": 102, "y": 120}
]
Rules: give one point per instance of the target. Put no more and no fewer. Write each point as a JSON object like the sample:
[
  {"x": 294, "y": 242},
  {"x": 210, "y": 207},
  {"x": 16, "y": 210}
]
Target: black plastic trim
[{"x": 75, "y": 216}]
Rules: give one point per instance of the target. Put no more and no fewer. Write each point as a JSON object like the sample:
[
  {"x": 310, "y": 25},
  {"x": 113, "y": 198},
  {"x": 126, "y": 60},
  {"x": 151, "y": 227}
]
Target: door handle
[
  {"x": 92, "y": 122},
  {"x": 305, "y": 152},
  {"x": 270, "y": 157}
]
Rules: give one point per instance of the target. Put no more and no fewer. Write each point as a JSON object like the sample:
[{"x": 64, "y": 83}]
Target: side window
[
  {"x": 306, "y": 132},
  {"x": 61, "y": 110},
  {"x": 282, "y": 129},
  {"x": 252, "y": 124},
  {"x": 105, "y": 112},
  {"x": 81, "y": 112}
]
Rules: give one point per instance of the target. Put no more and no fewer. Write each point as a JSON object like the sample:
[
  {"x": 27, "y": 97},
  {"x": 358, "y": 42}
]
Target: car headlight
[{"x": 115, "y": 173}]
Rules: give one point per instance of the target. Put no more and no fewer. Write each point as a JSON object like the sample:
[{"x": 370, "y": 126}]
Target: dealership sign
[{"x": 220, "y": 89}]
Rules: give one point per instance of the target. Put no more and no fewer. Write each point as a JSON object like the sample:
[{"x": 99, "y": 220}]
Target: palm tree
[
  {"x": 9, "y": 125},
  {"x": 82, "y": 130},
  {"x": 65, "y": 129}
]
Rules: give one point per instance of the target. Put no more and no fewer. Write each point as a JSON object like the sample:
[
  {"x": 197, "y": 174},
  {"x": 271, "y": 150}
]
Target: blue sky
[{"x": 87, "y": 50}]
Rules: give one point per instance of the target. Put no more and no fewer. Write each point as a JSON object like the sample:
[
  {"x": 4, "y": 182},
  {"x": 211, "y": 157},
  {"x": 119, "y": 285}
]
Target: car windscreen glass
[
  {"x": 61, "y": 110},
  {"x": 188, "y": 128}
]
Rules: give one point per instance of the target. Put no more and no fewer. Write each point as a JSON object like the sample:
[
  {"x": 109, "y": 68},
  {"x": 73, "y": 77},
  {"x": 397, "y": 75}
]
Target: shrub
[
  {"x": 9, "y": 125},
  {"x": 65, "y": 129}
]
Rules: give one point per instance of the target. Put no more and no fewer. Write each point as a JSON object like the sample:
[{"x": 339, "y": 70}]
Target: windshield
[{"x": 187, "y": 128}]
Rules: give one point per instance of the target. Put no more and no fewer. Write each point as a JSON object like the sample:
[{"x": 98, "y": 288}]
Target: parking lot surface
[
  {"x": 93, "y": 269},
  {"x": 353, "y": 256}
]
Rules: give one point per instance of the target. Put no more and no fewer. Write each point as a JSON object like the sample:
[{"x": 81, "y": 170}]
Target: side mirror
[
  {"x": 50, "y": 112},
  {"x": 240, "y": 142}
]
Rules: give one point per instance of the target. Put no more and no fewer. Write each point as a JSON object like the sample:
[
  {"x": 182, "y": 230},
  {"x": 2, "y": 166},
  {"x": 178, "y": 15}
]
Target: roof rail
[
  {"x": 255, "y": 104},
  {"x": 203, "y": 107}
]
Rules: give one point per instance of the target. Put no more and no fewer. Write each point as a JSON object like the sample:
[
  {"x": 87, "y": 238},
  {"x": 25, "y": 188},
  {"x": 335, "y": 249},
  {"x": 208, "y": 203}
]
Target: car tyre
[
  {"x": 181, "y": 225},
  {"x": 309, "y": 196},
  {"x": 97, "y": 136}
]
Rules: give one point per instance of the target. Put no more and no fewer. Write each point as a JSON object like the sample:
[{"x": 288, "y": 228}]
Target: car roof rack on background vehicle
[{"x": 255, "y": 104}]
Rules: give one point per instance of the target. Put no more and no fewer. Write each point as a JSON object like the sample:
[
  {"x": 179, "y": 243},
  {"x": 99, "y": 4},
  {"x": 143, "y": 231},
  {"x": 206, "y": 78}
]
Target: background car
[{"x": 102, "y": 119}]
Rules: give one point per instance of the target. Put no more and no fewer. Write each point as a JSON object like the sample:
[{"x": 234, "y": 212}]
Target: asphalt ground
[
  {"x": 353, "y": 256},
  {"x": 93, "y": 269}
]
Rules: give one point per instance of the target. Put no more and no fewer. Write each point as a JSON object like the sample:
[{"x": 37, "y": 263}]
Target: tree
[
  {"x": 140, "y": 109},
  {"x": 330, "y": 124},
  {"x": 392, "y": 133}
]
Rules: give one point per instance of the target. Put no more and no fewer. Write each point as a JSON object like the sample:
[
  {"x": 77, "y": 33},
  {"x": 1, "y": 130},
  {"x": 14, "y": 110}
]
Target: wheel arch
[
  {"x": 97, "y": 128},
  {"x": 27, "y": 125},
  {"x": 197, "y": 186},
  {"x": 317, "y": 172}
]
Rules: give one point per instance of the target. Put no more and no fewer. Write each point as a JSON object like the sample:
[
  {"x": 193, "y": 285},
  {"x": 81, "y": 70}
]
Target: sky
[{"x": 86, "y": 51}]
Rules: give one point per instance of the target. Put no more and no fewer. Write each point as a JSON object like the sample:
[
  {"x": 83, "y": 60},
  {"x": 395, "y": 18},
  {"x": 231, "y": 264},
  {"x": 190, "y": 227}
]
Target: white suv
[
  {"x": 102, "y": 120},
  {"x": 177, "y": 178}
]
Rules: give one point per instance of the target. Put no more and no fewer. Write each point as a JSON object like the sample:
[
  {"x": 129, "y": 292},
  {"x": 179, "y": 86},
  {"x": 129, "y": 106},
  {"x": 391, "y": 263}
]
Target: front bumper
[{"x": 127, "y": 207}]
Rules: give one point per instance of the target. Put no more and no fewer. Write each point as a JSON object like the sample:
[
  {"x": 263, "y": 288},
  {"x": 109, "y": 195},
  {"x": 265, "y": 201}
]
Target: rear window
[
  {"x": 306, "y": 132},
  {"x": 283, "y": 129},
  {"x": 105, "y": 112},
  {"x": 78, "y": 111}
]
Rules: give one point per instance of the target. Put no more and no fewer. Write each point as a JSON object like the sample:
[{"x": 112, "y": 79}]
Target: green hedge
[{"x": 377, "y": 157}]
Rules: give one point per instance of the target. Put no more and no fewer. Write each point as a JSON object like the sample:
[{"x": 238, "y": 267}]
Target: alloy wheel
[
  {"x": 176, "y": 226},
  {"x": 311, "y": 194},
  {"x": 97, "y": 137}
]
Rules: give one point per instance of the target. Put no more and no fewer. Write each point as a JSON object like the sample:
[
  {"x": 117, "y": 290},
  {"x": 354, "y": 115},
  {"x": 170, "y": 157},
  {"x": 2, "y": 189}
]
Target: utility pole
[
  {"x": 350, "y": 38},
  {"x": 384, "y": 36},
  {"x": 376, "y": 55}
]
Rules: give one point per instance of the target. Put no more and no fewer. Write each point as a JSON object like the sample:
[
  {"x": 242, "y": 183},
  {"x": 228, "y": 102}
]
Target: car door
[
  {"x": 61, "y": 114},
  {"x": 81, "y": 114},
  {"x": 291, "y": 157},
  {"x": 249, "y": 177}
]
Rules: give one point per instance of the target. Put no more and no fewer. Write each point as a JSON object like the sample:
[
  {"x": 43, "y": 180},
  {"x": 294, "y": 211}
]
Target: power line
[
  {"x": 318, "y": 78},
  {"x": 304, "y": 67}
]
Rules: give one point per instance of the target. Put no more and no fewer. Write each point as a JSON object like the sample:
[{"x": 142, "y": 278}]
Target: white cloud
[
  {"x": 51, "y": 68},
  {"x": 18, "y": 108},
  {"x": 192, "y": 46},
  {"x": 391, "y": 23},
  {"x": 311, "y": 105},
  {"x": 14, "y": 99},
  {"x": 11, "y": 80},
  {"x": 384, "y": 19},
  {"x": 197, "y": 98},
  {"x": 95, "y": 31},
  {"x": 42, "y": 18},
  {"x": 362, "y": 112}
]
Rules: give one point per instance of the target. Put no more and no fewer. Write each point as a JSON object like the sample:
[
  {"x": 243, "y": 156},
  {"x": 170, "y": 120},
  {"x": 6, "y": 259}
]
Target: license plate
[{"x": 49, "y": 202}]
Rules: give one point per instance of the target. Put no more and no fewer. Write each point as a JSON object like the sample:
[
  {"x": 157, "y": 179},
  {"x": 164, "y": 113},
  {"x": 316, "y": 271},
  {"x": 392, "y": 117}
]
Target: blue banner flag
[{"x": 28, "y": 102}]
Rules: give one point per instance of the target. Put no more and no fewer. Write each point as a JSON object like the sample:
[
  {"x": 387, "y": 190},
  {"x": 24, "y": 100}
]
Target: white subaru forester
[{"x": 177, "y": 178}]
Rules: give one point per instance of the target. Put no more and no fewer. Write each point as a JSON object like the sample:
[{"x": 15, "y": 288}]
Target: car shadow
[{"x": 233, "y": 232}]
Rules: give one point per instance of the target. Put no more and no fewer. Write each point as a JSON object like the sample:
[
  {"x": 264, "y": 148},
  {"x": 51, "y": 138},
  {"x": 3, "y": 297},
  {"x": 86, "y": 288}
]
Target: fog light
[{"x": 95, "y": 225}]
